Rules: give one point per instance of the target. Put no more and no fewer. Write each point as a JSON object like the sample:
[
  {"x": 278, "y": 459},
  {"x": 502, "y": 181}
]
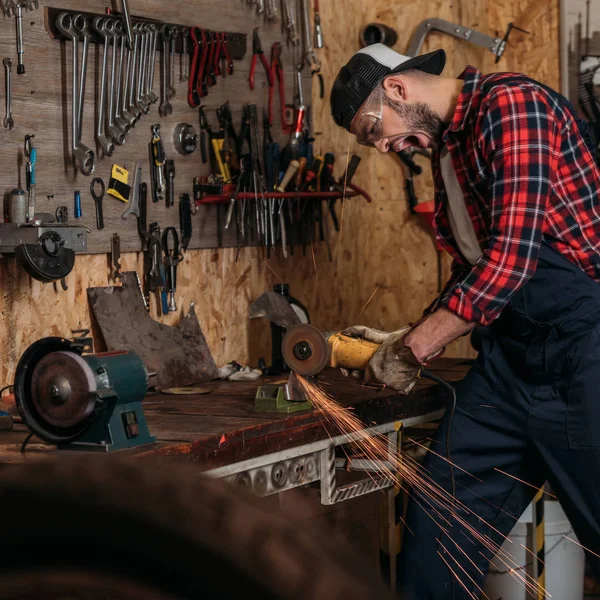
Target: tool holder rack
[
  {"x": 225, "y": 198},
  {"x": 236, "y": 42}
]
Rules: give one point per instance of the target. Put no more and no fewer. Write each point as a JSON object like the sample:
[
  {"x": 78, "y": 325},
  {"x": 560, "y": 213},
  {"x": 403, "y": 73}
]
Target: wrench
[
  {"x": 127, "y": 21},
  {"x": 165, "y": 108},
  {"x": 185, "y": 57},
  {"x": 142, "y": 102},
  {"x": 137, "y": 103},
  {"x": 172, "y": 91},
  {"x": 114, "y": 131},
  {"x": 20, "y": 51},
  {"x": 152, "y": 63},
  {"x": 131, "y": 103},
  {"x": 107, "y": 145},
  {"x": 120, "y": 120},
  {"x": 124, "y": 110},
  {"x": 8, "y": 120},
  {"x": 83, "y": 157}
]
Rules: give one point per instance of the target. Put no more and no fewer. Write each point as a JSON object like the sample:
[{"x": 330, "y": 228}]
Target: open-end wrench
[
  {"x": 185, "y": 57},
  {"x": 83, "y": 157},
  {"x": 165, "y": 107},
  {"x": 131, "y": 108},
  {"x": 107, "y": 145},
  {"x": 114, "y": 131},
  {"x": 8, "y": 120},
  {"x": 172, "y": 90},
  {"x": 152, "y": 63},
  {"x": 120, "y": 120}
]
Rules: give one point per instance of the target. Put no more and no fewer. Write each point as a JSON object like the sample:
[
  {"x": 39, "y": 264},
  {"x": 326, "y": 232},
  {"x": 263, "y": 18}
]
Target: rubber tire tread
[{"x": 170, "y": 528}]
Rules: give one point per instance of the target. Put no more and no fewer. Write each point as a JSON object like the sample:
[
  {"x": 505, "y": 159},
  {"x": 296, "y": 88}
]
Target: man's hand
[{"x": 393, "y": 364}]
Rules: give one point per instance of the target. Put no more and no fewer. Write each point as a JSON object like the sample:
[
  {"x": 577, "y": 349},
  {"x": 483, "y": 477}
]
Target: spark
[
  {"x": 401, "y": 470},
  {"x": 337, "y": 258},
  {"x": 587, "y": 549},
  {"x": 535, "y": 487},
  {"x": 270, "y": 269},
  {"x": 367, "y": 303}
]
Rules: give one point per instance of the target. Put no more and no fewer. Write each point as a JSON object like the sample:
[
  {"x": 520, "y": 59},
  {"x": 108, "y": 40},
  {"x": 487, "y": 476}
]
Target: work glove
[{"x": 393, "y": 364}]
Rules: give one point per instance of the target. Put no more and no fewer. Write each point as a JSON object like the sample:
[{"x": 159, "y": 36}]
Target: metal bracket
[
  {"x": 309, "y": 463},
  {"x": 495, "y": 45}
]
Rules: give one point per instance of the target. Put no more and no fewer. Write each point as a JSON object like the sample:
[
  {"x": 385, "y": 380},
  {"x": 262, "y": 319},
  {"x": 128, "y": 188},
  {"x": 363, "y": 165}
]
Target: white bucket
[{"x": 565, "y": 561}]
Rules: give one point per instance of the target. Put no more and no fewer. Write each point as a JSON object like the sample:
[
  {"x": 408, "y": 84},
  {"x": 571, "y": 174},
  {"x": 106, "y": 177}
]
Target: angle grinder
[
  {"x": 307, "y": 351},
  {"x": 86, "y": 402}
]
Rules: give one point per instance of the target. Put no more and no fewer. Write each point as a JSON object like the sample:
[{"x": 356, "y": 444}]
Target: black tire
[{"x": 119, "y": 526}]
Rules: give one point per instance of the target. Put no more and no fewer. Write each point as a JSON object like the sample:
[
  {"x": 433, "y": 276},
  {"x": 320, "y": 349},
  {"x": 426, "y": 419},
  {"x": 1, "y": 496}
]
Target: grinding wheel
[
  {"x": 54, "y": 390},
  {"x": 305, "y": 349},
  {"x": 62, "y": 389}
]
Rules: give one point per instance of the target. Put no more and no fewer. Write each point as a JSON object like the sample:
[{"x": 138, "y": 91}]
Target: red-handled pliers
[
  {"x": 277, "y": 76},
  {"x": 256, "y": 53}
]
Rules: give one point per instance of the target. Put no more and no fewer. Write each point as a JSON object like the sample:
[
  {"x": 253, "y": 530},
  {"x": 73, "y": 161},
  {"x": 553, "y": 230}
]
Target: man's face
[{"x": 396, "y": 125}]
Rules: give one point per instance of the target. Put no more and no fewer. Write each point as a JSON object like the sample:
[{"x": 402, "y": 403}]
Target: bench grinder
[{"x": 82, "y": 402}]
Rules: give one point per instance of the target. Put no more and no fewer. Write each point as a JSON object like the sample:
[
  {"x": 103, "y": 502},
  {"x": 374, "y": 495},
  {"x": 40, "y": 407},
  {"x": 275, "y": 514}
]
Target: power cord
[{"x": 431, "y": 376}]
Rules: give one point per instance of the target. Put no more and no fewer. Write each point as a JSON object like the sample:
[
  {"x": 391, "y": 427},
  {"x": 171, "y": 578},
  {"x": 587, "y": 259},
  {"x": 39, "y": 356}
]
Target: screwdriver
[
  {"x": 312, "y": 174},
  {"x": 77, "y": 205}
]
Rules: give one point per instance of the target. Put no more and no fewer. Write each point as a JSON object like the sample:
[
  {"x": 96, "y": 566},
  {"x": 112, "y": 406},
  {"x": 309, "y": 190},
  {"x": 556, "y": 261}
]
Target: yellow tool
[
  {"x": 217, "y": 145},
  {"x": 118, "y": 183},
  {"x": 307, "y": 351}
]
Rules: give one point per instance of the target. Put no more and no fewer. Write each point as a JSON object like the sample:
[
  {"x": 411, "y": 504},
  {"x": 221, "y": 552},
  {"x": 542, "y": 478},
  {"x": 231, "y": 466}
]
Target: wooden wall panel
[{"x": 383, "y": 247}]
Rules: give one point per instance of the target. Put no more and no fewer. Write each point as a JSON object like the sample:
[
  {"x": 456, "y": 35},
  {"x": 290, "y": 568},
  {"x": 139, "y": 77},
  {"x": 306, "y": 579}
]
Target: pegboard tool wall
[{"x": 42, "y": 107}]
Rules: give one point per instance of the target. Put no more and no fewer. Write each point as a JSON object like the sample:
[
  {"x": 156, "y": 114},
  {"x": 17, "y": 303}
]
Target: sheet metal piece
[
  {"x": 178, "y": 355},
  {"x": 275, "y": 308}
]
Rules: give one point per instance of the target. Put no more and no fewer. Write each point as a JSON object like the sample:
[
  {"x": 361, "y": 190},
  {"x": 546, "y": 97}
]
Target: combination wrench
[
  {"x": 107, "y": 145},
  {"x": 185, "y": 57},
  {"x": 172, "y": 90},
  {"x": 8, "y": 120},
  {"x": 145, "y": 49},
  {"x": 83, "y": 157},
  {"x": 120, "y": 120},
  {"x": 165, "y": 107},
  {"x": 124, "y": 106},
  {"x": 114, "y": 131},
  {"x": 152, "y": 63},
  {"x": 131, "y": 108}
]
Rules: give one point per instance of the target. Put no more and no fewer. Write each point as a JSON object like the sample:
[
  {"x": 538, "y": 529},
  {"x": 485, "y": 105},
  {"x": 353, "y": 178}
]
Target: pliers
[
  {"x": 277, "y": 74},
  {"x": 256, "y": 53}
]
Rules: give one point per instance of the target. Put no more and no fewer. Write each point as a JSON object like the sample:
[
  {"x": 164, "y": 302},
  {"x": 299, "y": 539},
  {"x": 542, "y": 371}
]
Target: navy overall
[{"x": 530, "y": 406}]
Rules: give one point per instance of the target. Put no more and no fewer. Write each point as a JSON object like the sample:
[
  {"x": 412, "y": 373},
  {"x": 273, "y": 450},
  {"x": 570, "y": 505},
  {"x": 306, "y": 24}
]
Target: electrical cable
[
  {"x": 424, "y": 373},
  {"x": 25, "y": 442},
  {"x": 6, "y": 387}
]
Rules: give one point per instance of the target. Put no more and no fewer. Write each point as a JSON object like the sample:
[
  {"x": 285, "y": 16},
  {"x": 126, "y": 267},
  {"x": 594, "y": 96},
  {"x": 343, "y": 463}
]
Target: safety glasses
[{"x": 368, "y": 125}]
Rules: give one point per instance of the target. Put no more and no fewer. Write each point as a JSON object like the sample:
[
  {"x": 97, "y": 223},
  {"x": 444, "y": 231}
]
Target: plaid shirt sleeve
[{"x": 518, "y": 139}]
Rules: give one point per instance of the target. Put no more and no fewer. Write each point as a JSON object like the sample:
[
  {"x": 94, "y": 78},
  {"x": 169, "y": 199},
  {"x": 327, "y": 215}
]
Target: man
[{"x": 517, "y": 208}]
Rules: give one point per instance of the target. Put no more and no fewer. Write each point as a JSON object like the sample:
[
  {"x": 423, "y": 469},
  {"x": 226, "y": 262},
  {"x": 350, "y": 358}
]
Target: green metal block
[{"x": 272, "y": 398}]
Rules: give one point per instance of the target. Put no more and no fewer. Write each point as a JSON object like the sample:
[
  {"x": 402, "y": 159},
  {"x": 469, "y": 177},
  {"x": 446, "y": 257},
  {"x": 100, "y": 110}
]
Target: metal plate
[
  {"x": 305, "y": 349},
  {"x": 62, "y": 389},
  {"x": 178, "y": 355},
  {"x": 275, "y": 308}
]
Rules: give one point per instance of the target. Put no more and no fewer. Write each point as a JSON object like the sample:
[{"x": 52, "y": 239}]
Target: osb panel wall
[{"x": 382, "y": 246}]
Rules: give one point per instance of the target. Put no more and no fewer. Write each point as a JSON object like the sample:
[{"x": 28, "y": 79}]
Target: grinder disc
[
  {"x": 305, "y": 349},
  {"x": 62, "y": 389}
]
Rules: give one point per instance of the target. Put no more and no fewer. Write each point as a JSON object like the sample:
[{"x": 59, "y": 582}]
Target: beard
[{"x": 419, "y": 116}]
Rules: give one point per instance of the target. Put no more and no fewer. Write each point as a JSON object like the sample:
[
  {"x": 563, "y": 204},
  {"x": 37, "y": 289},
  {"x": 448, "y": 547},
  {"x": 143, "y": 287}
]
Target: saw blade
[
  {"x": 305, "y": 349},
  {"x": 62, "y": 389}
]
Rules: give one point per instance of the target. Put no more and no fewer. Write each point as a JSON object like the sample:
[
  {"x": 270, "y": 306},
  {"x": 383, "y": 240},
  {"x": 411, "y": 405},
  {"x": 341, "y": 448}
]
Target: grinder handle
[{"x": 350, "y": 353}]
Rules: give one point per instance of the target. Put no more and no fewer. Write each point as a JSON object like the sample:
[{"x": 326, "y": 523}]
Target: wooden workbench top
[{"x": 222, "y": 427}]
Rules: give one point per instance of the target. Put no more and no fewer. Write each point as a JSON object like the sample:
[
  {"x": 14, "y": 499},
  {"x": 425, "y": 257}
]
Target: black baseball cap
[{"x": 366, "y": 70}]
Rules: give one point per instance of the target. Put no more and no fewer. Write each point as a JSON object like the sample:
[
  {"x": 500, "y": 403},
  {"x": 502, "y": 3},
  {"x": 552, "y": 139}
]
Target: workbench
[{"x": 222, "y": 434}]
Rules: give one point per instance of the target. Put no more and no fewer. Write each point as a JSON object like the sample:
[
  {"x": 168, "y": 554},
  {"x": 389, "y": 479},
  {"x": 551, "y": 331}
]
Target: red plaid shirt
[{"x": 525, "y": 172}]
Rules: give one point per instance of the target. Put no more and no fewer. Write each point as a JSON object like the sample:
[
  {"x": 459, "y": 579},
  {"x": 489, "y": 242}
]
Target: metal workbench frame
[{"x": 295, "y": 467}]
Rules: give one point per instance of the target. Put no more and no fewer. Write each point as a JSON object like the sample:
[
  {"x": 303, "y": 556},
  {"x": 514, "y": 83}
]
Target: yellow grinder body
[{"x": 307, "y": 351}]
